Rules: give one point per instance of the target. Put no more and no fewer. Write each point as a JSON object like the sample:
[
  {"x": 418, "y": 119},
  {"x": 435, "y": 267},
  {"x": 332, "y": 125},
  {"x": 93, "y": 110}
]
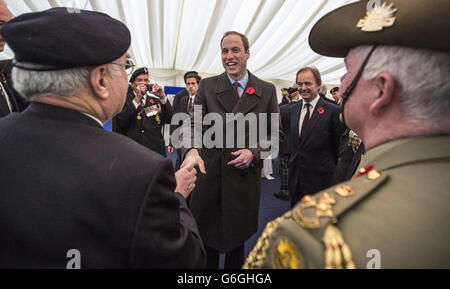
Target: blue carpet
[{"x": 269, "y": 206}]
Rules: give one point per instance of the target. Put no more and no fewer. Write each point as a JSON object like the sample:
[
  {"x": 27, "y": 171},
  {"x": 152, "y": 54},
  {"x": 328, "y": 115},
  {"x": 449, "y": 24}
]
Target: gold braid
[
  {"x": 336, "y": 249},
  {"x": 256, "y": 258}
]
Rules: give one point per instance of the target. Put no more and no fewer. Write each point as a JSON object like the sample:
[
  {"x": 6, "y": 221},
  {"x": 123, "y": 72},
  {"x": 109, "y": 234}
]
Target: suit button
[{"x": 142, "y": 131}]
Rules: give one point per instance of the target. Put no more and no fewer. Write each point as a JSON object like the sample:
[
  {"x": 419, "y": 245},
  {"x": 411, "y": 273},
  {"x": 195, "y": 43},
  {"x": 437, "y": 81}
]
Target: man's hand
[
  {"x": 185, "y": 178},
  {"x": 159, "y": 91},
  {"x": 243, "y": 160},
  {"x": 140, "y": 91},
  {"x": 193, "y": 158},
  {"x": 170, "y": 149}
]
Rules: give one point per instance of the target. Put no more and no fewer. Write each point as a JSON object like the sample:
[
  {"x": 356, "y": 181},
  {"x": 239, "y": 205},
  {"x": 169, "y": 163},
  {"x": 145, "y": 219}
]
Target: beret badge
[{"x": 380, "y": 17}]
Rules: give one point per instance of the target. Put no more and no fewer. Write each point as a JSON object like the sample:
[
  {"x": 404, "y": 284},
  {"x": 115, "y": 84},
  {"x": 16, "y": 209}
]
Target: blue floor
[{"x": 269, "y": 207}]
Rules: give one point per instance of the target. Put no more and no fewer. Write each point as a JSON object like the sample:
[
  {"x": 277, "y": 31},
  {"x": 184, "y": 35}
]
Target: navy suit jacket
[
  {"x": 69, "y": 184},
  {"x": 314, "y": 155}
]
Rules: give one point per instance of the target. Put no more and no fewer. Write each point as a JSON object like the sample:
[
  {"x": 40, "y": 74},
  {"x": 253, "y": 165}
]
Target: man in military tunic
[
  {"x": 396, "y": 98},
  {"x": 145, "y": 111}
]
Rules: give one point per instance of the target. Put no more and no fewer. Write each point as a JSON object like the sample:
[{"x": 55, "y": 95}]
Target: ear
[
  {"x": 383, "y": 92},
  {"x": 99, "y": 81}
]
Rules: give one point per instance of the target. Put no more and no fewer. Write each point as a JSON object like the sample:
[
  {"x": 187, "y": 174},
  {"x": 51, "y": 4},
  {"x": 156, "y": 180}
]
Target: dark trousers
[
  {"x": 234, "y": 259},
  {"x": 296, "y": 196},
  {"x": 284, "y": 173}
]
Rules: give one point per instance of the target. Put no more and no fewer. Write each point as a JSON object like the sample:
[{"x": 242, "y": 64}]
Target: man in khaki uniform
[{"x": 394, "y": 212}]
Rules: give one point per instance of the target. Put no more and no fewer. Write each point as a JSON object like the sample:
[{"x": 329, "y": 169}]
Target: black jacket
[{"x": 69, "y": 184}]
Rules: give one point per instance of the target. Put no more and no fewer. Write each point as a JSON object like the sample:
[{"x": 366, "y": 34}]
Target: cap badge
[{"x": 380, "y": 17}]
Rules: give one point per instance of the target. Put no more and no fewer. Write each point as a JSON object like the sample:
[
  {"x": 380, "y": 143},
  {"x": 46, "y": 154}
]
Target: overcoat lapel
[
  {"x": 248, "y": 101},
  {"x": 225, "y": 93}
]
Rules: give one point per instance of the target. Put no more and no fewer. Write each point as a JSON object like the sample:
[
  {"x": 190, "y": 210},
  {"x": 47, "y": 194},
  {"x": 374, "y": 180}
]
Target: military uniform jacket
[
  {"x": 69, "y": 184},
  {"x": 225, "y": 201},
  {"x": 397, "y": 205},
  {"x": 144, "y": 124}
]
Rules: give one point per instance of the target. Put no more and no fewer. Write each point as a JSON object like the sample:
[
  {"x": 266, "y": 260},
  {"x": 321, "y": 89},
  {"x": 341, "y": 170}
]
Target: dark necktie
[
  {"x": 235, "y": 86},
  {"x": 190, "y": 104},
  {"x": 305, "y": 120}
]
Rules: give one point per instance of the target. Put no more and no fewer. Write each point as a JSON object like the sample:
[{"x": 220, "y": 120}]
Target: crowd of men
[{"x": 113, "y": 200}]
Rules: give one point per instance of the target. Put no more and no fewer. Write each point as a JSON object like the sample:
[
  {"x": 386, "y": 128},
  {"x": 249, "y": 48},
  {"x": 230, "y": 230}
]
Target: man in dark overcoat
[{"x": 225, "y": 202}]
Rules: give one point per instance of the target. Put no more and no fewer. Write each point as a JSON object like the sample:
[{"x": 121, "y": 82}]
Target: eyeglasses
[{"x": 129, "y": 65}]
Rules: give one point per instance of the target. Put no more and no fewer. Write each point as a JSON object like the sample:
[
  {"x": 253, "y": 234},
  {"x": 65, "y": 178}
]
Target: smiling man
[
  {"x": 225, "y": 202},
  {"x": 315, "y": 134}
]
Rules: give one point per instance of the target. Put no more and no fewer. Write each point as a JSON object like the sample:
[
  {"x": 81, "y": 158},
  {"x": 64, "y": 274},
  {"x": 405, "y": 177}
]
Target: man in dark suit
[
  {"x": 184, "y": 92},
  {"x": 10, "y": 100},
  {"x": 184, "y": 105},
  {"x": 73, "y": 194},
  {"x": 145, "y": 112},
  {"x": 315, "y": 132},
  {"x": 225, "y": 202}
]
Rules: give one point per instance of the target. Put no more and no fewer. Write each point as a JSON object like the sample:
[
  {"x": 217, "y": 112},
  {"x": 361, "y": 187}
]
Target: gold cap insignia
[
  {"x": 380, "y": 17},
  {"x": 286, "y": 256},
  {"x": 344, "y": 191}
]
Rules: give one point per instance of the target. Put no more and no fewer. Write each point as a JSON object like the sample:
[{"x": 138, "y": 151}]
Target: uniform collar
[{"x": 404, "y": 151}]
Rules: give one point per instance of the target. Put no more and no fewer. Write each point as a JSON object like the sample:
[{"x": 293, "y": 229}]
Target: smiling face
[
  {"x": 234, "y": 56},
  {"x": 307, "y": 86}
]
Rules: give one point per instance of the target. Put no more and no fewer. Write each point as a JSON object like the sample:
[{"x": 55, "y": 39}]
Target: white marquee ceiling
[{"x": 174, "y": 36}]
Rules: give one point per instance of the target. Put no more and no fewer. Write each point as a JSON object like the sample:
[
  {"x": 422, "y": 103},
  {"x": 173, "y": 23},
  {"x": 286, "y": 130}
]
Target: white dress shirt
[{"x": 313, "y": 104}]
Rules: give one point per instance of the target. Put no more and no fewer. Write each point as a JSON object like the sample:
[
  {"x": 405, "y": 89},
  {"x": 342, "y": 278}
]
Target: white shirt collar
[
  {"x": 94, "y": 118},
  {"x": 313, "y": 103}
]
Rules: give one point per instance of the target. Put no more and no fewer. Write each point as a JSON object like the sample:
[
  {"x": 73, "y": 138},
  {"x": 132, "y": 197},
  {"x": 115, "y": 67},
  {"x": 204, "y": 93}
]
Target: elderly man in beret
[
  {"x": 74, "y": 195},
  {"x": 394, "y": 212},
  {"x": 145, "y": 112}
]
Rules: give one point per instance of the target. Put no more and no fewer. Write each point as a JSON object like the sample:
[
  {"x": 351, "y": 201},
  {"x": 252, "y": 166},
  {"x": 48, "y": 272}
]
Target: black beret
[
  {"x": 409, "y": 23},
  {"x": 334, "y": 89},
  {"x": 61, "y": 38},
  {"x": 137, "y": 72}
]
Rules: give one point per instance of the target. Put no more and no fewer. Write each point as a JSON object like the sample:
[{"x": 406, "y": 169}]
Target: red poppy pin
[
  {"x": 250, "y": 90},
  {"x": 151, "y": 101},
  {"x": 320, "y": 110}
]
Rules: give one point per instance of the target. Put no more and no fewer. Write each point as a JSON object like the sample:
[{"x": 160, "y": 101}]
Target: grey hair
[
  {"x": 422, "y": 75},
  {"x": 67, "y": 82}
]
